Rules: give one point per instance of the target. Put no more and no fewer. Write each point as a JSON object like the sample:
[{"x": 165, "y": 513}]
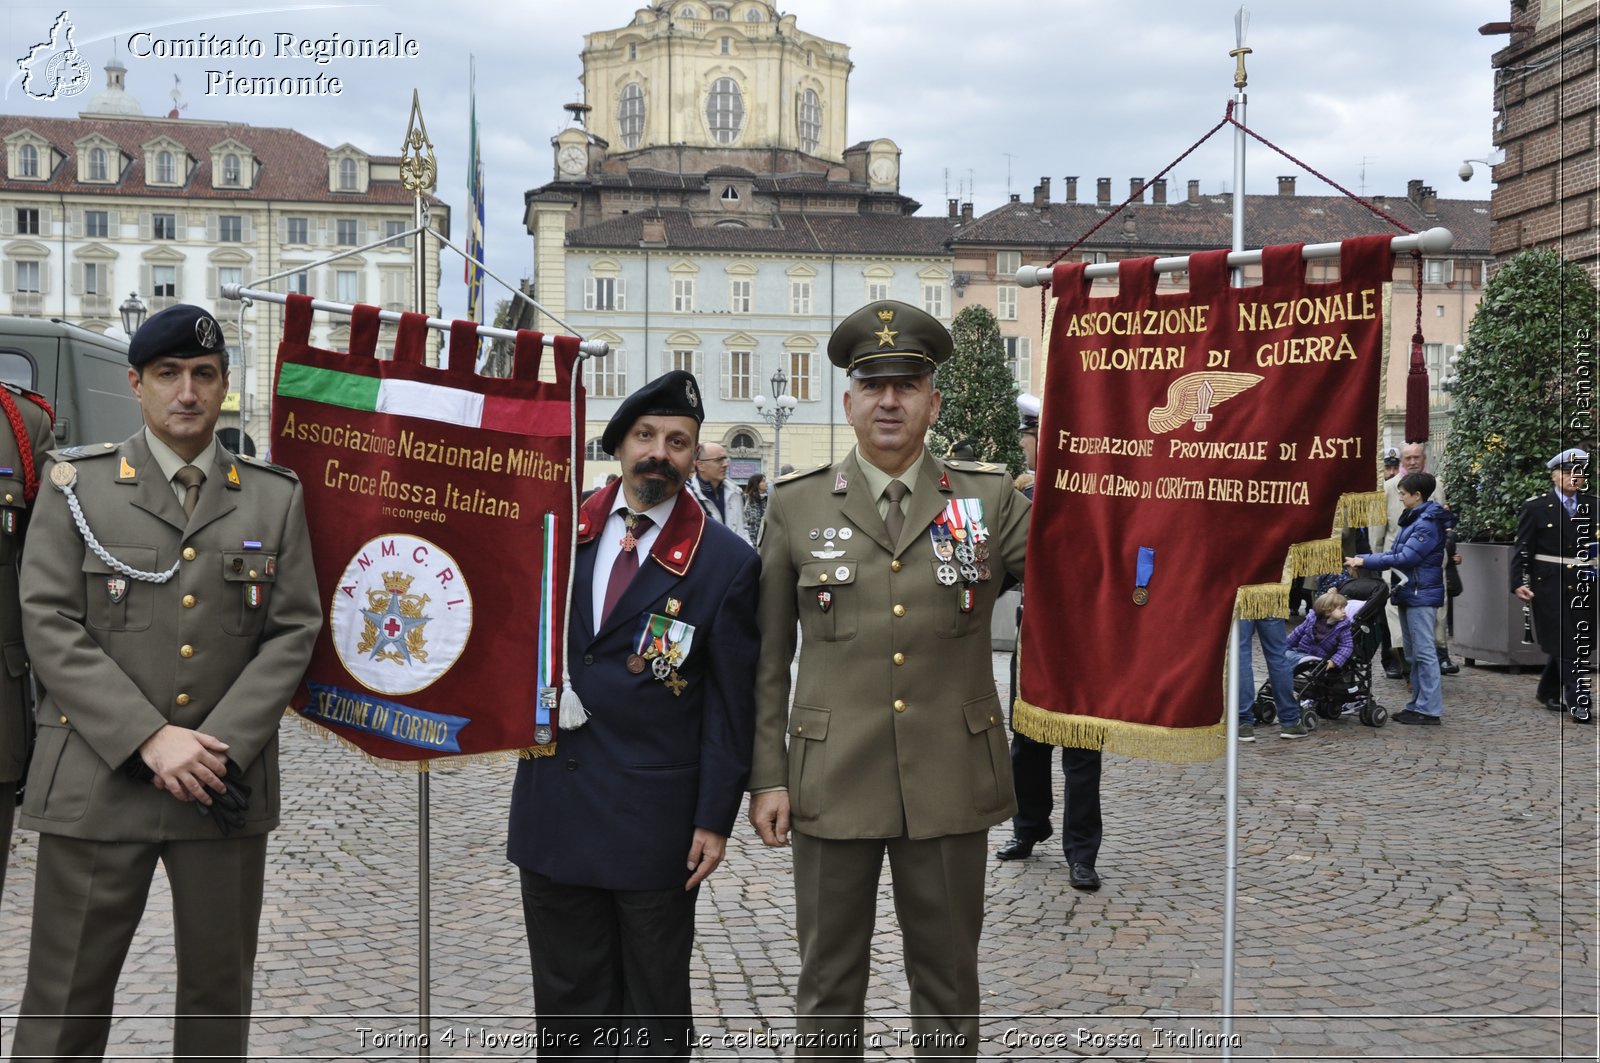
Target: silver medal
[{"x": 947, "y": 575}]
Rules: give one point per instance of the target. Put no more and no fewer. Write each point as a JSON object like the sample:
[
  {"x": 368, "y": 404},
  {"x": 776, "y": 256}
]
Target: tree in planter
[
  {"x": 979, "y": 393},
  {"x": 1525, "y": 389}
]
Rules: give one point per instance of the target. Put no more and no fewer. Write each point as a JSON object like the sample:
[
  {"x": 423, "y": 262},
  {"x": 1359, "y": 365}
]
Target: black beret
[
  {"x": 889, "y": 338},
  {"x": 674, "y": 394},
  {"x": 180, "y": 331}
]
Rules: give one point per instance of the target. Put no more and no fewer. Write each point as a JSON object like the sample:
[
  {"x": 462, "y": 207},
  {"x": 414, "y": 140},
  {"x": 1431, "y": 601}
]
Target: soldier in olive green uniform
[
  {"x": 170, "y": 609},
  {"x": 23, "y": 444},
  {"x": 889, "y": 561}
]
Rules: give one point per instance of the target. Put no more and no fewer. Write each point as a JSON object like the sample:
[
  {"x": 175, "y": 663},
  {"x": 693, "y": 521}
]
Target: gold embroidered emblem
[{"x": 126, "y": 471}]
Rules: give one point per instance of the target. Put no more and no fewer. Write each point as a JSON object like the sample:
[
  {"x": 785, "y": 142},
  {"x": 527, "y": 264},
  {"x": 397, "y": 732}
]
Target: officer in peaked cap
[
  {"x": 1391, "y": 463},
  {"x": 1553, "y": 573},
  {"x": 170, "y": 619},
  {"x": 888, "y": 563}
]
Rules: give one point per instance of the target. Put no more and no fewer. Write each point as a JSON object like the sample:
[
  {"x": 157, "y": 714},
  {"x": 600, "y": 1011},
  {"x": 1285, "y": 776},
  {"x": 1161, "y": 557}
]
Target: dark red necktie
[{"x": 627, "y": 562}]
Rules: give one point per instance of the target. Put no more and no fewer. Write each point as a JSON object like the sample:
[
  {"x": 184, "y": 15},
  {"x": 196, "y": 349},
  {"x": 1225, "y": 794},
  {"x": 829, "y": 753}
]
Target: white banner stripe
[{"x": 410, "y": 398}]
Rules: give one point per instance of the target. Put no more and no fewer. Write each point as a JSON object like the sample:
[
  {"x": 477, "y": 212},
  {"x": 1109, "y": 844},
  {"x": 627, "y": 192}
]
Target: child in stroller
[{"x": 1334, "y": 647}]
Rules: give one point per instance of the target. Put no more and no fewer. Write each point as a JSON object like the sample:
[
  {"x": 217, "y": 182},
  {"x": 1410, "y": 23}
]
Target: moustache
[{"x": 650, "y": 465}]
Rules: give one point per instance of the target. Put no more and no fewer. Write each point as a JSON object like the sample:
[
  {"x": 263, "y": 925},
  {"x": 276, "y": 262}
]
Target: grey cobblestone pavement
[{"x": 1404, "y": 893}]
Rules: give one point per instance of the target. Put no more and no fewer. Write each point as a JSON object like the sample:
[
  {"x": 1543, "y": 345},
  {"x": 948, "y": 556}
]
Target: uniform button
[
  {"x": 186, "y": 650},
  {"x": 188, "y": 553},
  {"x": 9, "y": 497},
  {"x": 899, "y": 658},
  {"x": 823, "y": 578},
  {"x": 588, "y": 658},
  {"x": 183, "y": 699},
  {"x": 895, "y": 566},
  {"x": 992, "y": 720},
  {"x": 188, "y": 601},
  {"x": 252, "y": 573},
  {"x": 800, "y": 729},
  {"x": 63, "y": 719},
  {"x": 572, "y": 765},
  {"x": 899, "y": 706},
  {"x": 899, "y": 610}
]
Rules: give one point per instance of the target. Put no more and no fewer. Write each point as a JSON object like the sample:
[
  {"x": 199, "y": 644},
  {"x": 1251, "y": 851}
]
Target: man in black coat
[
  {"x": 1553, "y": 570},
  {"x": 616, "y": 831}
]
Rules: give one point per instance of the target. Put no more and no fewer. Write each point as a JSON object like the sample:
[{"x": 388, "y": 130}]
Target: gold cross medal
[
  {"x": 629, "y": 542},
  {"x": 665, "y": 642}
]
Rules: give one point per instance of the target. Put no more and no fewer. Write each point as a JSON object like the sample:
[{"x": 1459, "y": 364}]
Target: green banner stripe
[{"x": 328, "y": 385}]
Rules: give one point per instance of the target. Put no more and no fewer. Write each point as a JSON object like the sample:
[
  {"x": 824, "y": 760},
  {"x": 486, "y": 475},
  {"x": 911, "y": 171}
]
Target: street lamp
[
  {"x": 776, "y": 411},
  {"x": 133, "y": 314}
]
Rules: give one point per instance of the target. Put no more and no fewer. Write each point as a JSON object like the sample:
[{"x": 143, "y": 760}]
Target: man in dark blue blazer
[{"x": 616, "y": 831}]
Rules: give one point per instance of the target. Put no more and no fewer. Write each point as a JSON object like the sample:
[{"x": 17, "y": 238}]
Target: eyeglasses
[{"x": 715, "y": 461}]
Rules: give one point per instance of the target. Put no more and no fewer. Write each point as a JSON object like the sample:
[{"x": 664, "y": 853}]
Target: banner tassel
[
  {"x": 1315, "y": 558},
  {"x": 1261, "y": 601},
  {"x": 572, "y": 714}
]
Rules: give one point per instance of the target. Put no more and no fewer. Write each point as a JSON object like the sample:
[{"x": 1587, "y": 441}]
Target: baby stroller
[{"x": 1329, "y": 693}]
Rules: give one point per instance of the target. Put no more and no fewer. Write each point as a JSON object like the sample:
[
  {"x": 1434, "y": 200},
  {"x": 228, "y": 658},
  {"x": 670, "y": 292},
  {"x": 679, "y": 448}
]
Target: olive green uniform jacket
[
  {"x": 119, "y": 657},
  {"x": 896, "y": 727}
]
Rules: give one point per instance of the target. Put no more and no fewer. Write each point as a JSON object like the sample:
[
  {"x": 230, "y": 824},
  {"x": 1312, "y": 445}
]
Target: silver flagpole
[
  {"x": 1236, "y": 646},
  {"x": 419, "y": 172}
]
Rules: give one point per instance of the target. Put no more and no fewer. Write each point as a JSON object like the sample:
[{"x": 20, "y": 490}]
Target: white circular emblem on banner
[{"x": 401, "y": 614}]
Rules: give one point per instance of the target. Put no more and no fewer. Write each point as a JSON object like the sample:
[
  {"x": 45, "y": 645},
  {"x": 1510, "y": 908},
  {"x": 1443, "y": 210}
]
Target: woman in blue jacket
[{"x": 1418, "y": 554}]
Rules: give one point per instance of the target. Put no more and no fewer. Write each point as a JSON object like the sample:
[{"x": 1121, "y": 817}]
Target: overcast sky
[{"x": 982, "y": 98}]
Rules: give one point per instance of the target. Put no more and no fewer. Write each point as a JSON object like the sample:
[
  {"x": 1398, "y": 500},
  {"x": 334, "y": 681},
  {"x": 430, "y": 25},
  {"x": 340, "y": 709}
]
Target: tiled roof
[
  {"x": 1181, "y": 226},
  {"x": 290, "y": 165},
  {"x": 886, "y": 234},
  {"x": 660, "y": 180}
]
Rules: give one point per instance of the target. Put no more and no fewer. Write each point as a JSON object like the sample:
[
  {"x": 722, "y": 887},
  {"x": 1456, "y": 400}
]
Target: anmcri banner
[
  {"x": 440, "y": 504},
  {"x": 1197, "y": 450}
]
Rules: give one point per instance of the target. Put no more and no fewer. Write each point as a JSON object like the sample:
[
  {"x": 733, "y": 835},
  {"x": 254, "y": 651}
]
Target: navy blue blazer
[{"x": 616, "y": 807}]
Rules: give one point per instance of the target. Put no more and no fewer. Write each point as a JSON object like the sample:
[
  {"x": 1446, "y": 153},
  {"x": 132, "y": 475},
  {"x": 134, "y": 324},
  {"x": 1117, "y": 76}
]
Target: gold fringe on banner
[
  {"x": 1365, "y": 509},
  {"x": 1259, "y": 601},
  {"x": 497, "y": 757},
  {"x": 1176, "y": 745},
  {"x": 1314, "y": 558}
]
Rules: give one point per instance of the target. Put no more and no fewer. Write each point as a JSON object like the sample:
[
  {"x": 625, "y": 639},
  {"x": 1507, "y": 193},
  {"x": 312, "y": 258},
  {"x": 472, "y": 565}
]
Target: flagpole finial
[
  {"x": 419, "y": 168},
  {"x": 1241, "y": 27}
]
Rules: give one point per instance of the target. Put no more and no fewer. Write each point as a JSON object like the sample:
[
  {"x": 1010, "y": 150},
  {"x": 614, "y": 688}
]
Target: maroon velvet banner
[
  {"x": 440, "y": 504},
  {"x": 1189, "y": 444}
]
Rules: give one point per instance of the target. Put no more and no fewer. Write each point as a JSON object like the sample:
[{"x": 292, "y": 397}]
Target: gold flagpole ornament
[{"x": 419, "y": 168}]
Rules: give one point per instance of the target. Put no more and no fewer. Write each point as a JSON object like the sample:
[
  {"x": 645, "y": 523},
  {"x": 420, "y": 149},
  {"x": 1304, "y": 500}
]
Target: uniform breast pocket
[
  {"x": 115, "y": 602},
  {"x": 828, "y": 600},
  {"x": 247, "y": 580}
]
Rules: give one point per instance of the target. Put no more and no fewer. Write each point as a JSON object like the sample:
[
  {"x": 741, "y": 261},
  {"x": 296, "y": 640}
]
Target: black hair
[{"x": 1419, "y": 483}]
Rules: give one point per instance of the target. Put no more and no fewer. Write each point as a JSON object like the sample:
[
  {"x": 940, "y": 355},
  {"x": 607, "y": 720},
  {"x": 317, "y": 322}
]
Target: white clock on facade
[
  {"x": 572, "y": 159},
  {"x": 882, "y": 170}
]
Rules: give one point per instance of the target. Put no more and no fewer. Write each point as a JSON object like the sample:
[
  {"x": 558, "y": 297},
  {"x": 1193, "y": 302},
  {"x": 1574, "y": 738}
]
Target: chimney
[
  {"x": 1041, "y": 193},
  {"x": 654, "y": 231},
  {"x": 1159, "y": 195},
  {"x": 1414, "y": 190},
  {"x": 955, "y": 207},
  {"x": 1430, "y": 201},
  {"x": 966, "y": 210},
  {"x": 1072, "y": 189},
  {"x": 1286, "y": 186},
  {"x": 1136, "y": 189},
  {"x": 1194, "y": 191},
  {"x": 1102, "y": 191}
]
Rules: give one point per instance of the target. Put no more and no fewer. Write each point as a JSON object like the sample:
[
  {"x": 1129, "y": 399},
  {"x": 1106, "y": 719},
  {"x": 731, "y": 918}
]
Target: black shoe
[
  {"x": 1581, "y": 715},
  {"x": 1391, "y": 668},
  {"x": 1553, "y": 704},
  {"x": 1447, "y": 666},
  {"x": 1408, "y": 716},
  {"x": 1083, "y": 877},
  {"x": 1018, "y": 848}
]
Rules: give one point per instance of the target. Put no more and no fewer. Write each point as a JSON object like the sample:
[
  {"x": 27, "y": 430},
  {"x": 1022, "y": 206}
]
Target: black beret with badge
[
  {"x": 674, "y": 394},
  {"x": 889, "y": 338},
  {"x": 181, "y": 331}
]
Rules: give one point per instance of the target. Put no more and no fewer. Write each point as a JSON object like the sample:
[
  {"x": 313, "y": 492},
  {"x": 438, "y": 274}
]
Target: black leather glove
[{"x": 227, "y": 809}]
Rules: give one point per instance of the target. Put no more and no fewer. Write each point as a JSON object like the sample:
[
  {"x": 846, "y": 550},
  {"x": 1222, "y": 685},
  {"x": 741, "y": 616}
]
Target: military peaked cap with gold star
[{"x": 889, "y": 338}]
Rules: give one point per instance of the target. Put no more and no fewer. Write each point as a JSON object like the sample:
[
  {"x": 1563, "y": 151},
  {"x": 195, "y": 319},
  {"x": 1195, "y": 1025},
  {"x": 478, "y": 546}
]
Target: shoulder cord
[
  {"x": 94, "y": 544},
  {"x": 30, "y": 471}
]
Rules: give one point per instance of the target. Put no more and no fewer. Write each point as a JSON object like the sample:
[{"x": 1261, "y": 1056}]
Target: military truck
[{"x": 82, "y": 374}]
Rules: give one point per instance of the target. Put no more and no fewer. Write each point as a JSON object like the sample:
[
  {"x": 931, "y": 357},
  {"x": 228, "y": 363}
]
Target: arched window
[
  {"x": 730, "y": 195},
  {"x": 347, "y": 175},
  {"x": 742, "y": 441},
  {"x": 725, "y": 110},
  {"x": 810, "y": 122},
  {"x": 28, "y": 160},
  {"x": 164, "y": 171},
  {"x": 720, "y": 15},
  {"x": 593, "y": 451},
  {"x": 630, "y": 116},
  {"x": 230, "y": 169},
  {"x": 753, "y": 15},
  {"x": 97, "y": 164}
]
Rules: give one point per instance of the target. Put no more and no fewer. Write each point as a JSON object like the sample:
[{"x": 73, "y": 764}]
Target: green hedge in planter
[{"x": 1525, "y": 389}]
